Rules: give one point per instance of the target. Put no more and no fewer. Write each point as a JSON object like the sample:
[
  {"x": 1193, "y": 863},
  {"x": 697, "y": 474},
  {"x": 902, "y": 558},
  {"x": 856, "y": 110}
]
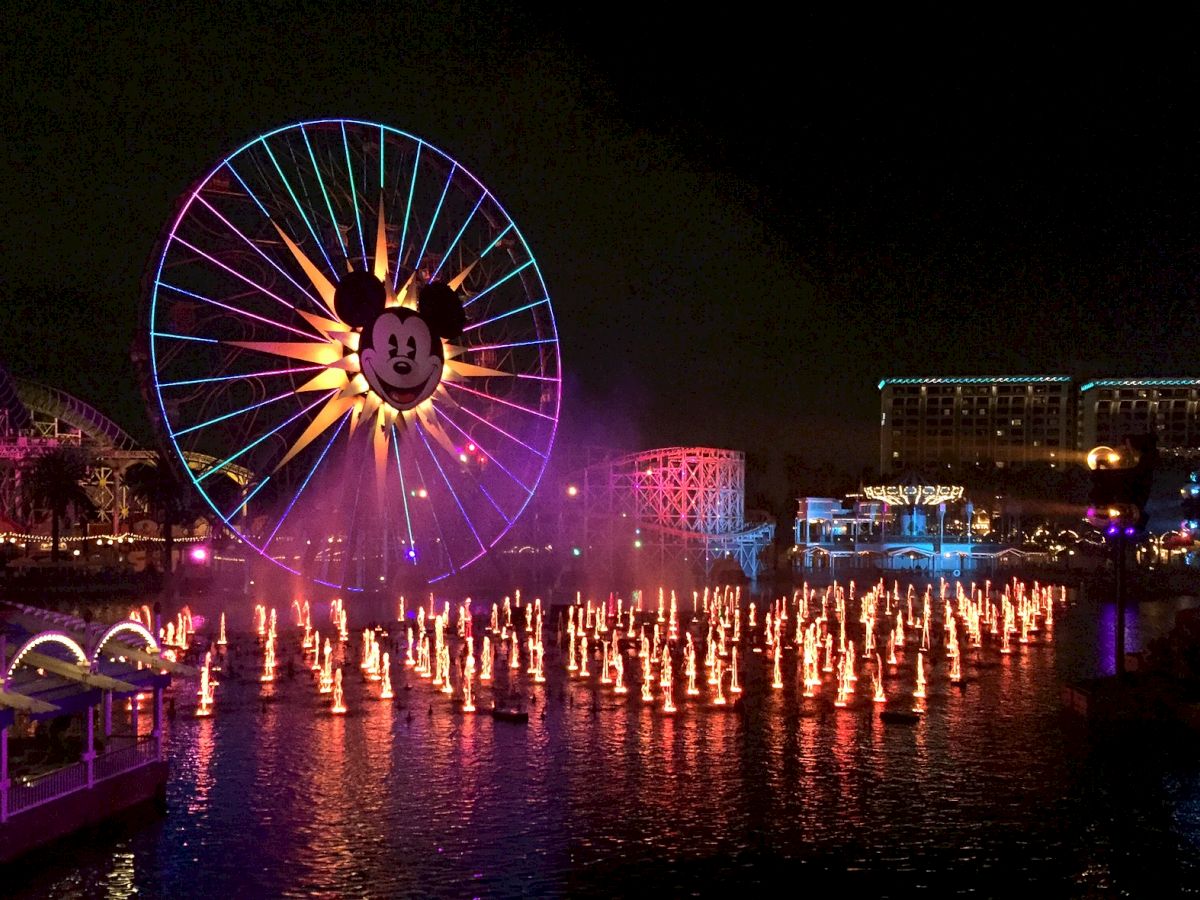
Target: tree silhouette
[
  {"x": 168, "y": 502},
  {"x": 55, "y": 482}
]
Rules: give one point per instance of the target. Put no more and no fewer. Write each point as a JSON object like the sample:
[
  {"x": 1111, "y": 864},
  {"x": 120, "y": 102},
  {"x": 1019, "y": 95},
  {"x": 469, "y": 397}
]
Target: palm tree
[
  {"x": 54, "y": 482},
  {"x": 167, "y": 501}
]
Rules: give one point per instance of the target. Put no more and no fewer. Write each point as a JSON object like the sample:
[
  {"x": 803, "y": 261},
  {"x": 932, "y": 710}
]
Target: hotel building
[
  {"x": 1013, "y": 420},
  {"x": 955, "y": 421}
]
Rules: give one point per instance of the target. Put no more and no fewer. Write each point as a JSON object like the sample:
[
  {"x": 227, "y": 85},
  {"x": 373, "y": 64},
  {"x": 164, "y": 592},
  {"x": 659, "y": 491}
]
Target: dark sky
[{"x": 743, "y": 225}]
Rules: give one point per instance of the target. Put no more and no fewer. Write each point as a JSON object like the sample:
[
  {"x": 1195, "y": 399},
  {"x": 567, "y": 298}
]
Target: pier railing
[
  {"x": 131, "y": 757},
  {"x": 26, "y": 794}
]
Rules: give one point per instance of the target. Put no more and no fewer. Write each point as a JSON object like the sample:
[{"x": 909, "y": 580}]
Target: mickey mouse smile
[{"x": 400, "y": 351}]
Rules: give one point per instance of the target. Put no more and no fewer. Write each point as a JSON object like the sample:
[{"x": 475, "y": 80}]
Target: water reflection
[{"x": 597, "y": 795}]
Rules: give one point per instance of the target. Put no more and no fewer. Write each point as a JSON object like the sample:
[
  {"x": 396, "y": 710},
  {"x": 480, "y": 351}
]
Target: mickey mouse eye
[
  {"x": 394, "y": 345},
  {"x": 412, "y": 347}
]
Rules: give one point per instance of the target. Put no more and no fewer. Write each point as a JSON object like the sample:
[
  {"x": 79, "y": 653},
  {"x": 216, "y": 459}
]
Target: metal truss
[{"x": 673, "y": 509}]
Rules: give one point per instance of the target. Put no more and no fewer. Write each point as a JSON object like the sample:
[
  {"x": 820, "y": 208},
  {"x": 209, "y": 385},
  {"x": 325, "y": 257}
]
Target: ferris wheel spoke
[
  {"x": 403, "y": 490},
  {"x": 450, "y": 487},
  {"x": 242, "y": 503},
  {"x": 479, "y": 484},
  {"x": 446, "y": 418},
  {"x": 304, "y": 484},
  {"x": 496, "y": 427},
  {"x": 433, "y": 514},
  {"x": 505, "y": 315},
  {"x": 262, "y": 437},
  {"x": 253, "y": 246},
  {"x": 299, "y": 207},
  {"x": 487, "y": 290},
  {"x": 437, "y": 212},
  {"x": 236, "y": 274},
  {"x": 324, "y": 193},
  {"x": 493, "y": 399},
  {"x": 496, "y": 240},
  {"x": 233, "y": 309},
  {"x": 253, "y": 196},
  {"x": 412, "y": 185},
  {"x": 471, "y": 348},
  {"x": 295, "y": 370},
  {"x": 184, "y": 337},
  {"x": 229, "y": 415},
  {"x": 458, "y": 237},
  {"x": 354, "y": 195}
]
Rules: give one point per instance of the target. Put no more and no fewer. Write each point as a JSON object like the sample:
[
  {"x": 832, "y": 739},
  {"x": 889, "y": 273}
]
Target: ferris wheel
[{"x": 348, "y": 319}]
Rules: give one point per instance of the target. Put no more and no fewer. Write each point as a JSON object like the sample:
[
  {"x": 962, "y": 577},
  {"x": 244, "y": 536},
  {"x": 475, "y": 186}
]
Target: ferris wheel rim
[{"x": 170, "y": 237}]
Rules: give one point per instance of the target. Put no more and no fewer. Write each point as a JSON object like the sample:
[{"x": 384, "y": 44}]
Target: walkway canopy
[{"x": 53, "y": 664}]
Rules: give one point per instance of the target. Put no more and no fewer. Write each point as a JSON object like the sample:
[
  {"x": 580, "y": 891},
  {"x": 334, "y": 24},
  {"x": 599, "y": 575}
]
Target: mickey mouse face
[
  {"x": 400, "y": 350},
  {"x": 403, "y": 362}
]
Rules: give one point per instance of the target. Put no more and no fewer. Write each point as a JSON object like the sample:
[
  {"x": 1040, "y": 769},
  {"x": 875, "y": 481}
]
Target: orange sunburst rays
[{"x": 338, "y": 353}]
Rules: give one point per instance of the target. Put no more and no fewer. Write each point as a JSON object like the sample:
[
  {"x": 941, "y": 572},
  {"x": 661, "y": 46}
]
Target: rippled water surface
[{"x": 995, "y": 789}]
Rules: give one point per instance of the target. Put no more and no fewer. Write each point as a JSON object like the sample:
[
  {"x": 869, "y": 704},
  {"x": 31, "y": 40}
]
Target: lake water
[{"x": 994, "y": 790}]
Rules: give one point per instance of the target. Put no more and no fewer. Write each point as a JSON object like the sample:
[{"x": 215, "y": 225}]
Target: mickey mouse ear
[
  {"x": 441, "y": 309},
  {"x": 358, "y": 298}
]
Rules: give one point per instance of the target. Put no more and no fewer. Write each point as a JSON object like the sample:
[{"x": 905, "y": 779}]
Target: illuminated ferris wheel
[{"x": 347, "y": 317}]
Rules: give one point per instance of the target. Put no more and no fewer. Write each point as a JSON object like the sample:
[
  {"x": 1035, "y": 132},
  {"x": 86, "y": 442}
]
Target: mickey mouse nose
[{"x": 402, "y": 366}]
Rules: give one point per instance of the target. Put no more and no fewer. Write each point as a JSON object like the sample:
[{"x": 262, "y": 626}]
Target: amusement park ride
[{"x": 349, "y": 317}]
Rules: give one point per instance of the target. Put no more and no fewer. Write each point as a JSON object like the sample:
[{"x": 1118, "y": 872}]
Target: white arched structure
[
  {"x": 125, "y": 625},
  {"x": 46, "y": 637}
]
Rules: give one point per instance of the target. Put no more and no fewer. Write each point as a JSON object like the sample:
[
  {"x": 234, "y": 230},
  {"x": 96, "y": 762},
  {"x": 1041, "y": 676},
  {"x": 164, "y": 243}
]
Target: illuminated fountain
[
  {"x": 880, "y": 696},
  {"x": 260, "y": 617},
  {"x": 339, "y": 699},
  {"x": 206, "y": 687},
  {"x": 919, "y": 693},
  {"x": 385, "y": 692},
  {"x": 268, "y": 673},
  {"x": 619, "y": 675},
  {"x": 221, "y": 641},
  {"x": 604, "y": 678},
  {"x": 734, "y": 686},
  {"x": 647, "y": 677},
  {"x": 583, "y": 656},
  {"x": 719, "y": 674},
  {"x": 667, "y": 685},
  {"x": 468, "y": 677},
  {"x": 409, "y": 662},
  {"x": 539, "y": 674},
  {"x": 445, "y": 670},
  {"x": 325, "y": 681},
  {"x": 514, "y": 654},
  {"x": 689, "y": 662},
  {"x": 485, "y": 655},
  {"x": 776, "y": 673}
]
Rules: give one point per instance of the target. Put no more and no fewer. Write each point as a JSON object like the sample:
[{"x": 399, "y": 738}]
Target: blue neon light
[
  {"x": 437, "y": 212},
  {"x": 487, "y": 290},
  {"x": 1140, "y": 382}
]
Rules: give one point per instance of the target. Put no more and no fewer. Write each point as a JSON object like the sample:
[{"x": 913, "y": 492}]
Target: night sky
[{"x": 742, "y": 230}]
